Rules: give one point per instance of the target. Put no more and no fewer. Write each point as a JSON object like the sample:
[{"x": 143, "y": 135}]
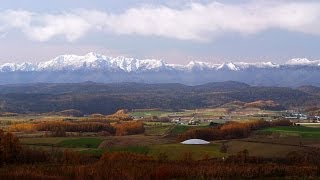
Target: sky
[{"x": 176, "y": 31}]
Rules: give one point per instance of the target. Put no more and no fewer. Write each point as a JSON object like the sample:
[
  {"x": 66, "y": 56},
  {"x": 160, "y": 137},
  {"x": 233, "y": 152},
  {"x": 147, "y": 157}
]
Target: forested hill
[{"x": 90, "y": 97}]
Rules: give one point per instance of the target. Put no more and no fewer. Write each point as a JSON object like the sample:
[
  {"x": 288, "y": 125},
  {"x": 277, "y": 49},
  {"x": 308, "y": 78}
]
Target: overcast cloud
[{"x": 194, "y": 22}]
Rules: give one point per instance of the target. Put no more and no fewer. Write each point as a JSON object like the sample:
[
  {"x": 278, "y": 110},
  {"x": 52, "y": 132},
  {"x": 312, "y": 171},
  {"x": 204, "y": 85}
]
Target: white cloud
[
  {"x": 198, "y": 22},
  {"x": 42, "y": 27}
]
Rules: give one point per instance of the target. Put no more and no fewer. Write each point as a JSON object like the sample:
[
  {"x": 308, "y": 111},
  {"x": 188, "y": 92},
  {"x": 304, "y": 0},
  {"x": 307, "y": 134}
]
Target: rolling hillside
[{"x": 92, "y": 97}]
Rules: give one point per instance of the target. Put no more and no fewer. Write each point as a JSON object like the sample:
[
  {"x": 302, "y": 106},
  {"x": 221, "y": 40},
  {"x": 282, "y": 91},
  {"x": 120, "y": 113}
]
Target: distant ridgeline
[
  {"x": 104, "y": 69},
  {"x": 92, "y": 97}
]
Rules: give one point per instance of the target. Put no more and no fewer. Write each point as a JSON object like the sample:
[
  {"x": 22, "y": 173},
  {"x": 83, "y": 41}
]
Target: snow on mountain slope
[
  {"x": 10, "y": 67},
  {"x": 228, "y": 66},
  {"x": 303, "y": 61},
  {"x": 93, "y": 61},
  {"x": 244, "y": 65}
]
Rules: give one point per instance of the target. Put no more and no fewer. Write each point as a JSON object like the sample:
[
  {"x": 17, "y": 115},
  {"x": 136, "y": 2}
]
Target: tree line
[
  {"x": 230, "y": 130},
  {"x": 59, "y": 128}
]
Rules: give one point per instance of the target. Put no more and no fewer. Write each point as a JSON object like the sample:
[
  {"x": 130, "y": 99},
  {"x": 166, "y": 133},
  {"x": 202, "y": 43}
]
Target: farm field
[
  {"x": 133, "y": 140},
  {"x": 313, "y": 125},
  {"x": 160, "y": 138},
  {"x": 65, "y": 142},
  {"x": 178, "y": 151},
  {"x": 234, "y": 137},
  {"x": 158, "y": 130},
  {"x": 151, "y": 112},
  {"x": 218, "y": 115},
  {"x": 301, "y": 131},
  {"x": 261, "y": 149},
  {"x": 135, "y": 144}
]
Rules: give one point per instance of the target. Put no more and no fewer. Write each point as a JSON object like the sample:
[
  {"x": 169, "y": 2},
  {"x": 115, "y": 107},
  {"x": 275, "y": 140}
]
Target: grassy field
[
  {"x": 69, "y": 142},
  {"x": 81, "y": 143},
  {"x": 211, "y": 112},
  {"x": 132, "y": 149},
  {"x": 314, "y": 125},
  {"x": 157, "y": 130},
  {"x": 185, "y": 113},
  {"x": 261, "y": 149},
  {"x": 176, "y": 151},
  {"x": 133, "y": 140},
  {"x": 50, "y": 141},
  {"x": 301, "y": 131},
  {"x": 172, "y": 151},
  {"x": 178, "y": 129},
  {"x": 149, "y": 113}
]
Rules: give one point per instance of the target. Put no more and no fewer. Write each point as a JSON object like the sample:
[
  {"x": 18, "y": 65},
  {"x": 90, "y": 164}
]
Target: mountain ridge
[
  {"x": 104, "y": 69},
  {"x": 96, "y": 61}
]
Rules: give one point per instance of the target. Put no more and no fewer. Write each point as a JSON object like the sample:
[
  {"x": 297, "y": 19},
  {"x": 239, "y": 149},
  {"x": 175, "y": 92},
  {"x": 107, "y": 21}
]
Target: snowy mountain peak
[
  {"x": 302, "y": 61},
  {"x": 228, "y": 66},
  {"x": 198, "y": 65},
  {"x": 98, "y": 62},
  {"x": 101, "y": 68}
]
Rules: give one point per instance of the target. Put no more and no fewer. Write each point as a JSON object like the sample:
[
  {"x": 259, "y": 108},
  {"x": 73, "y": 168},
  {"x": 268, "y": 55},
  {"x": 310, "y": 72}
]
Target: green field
[
  {"x": 81, "y": 143},
  {"x": 172, "y": 151},
  {"x": 211, "y": 113},
  {"x": 314, "y": 125},
  {"x": 132, "y": 149},
  {"x": 301, "y": 131},
  {"x": 261, "y": 149},
  {"x": 179, "y": 129},
  {"x": 149, "y": 113},
  {"x": 160, "y": 113},
  {"x": 157, "y": 130},
  {"x": 176, "y": 151},
  {"x": 90, "y": 145},
  {"x": 50, "y": 141},
  {"x": 67, "y": 142}
]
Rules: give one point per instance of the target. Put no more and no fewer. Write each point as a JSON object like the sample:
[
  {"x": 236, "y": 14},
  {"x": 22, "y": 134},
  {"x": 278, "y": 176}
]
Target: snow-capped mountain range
[
  {"x": 93, "y": 61},
  {"x": 100, "y": 68}
]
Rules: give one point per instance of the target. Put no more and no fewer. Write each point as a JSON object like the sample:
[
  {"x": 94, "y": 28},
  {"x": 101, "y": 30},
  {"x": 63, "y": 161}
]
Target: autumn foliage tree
[
  {"x": 9, "y": 148},
  {"x": 74, "y": 126},
  {"x": 59, "y": 128},
  {"x": 129, "y": 128}
]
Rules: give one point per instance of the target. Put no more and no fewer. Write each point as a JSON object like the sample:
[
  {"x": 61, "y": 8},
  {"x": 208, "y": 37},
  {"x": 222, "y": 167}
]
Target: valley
[{"x": 69, "y": 125}]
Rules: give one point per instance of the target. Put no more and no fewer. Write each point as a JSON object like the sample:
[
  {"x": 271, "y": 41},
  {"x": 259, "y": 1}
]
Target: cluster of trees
[
  {"x": 230, "y": 130},
  {"x": 9, "y": 148},
  {"x": 129, "y": 128},
  {"x": 59, "y": 128},
  {"x": 22, "y": 127},
  {"x": 120, "y": 115},
  {"x": 11, "y": 151},
  {"x": 75, "y": 126}
]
